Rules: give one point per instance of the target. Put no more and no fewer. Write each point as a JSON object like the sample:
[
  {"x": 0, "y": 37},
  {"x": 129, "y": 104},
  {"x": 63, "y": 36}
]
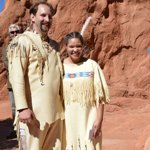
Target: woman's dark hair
[
  {"x": 72, "y": 35},
  {"x": 34, "y": 8}
]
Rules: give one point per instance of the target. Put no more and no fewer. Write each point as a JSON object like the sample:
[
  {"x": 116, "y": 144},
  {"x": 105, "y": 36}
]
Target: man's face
[
  {"x": 13, "y": 32},
  {"x": 42, "y": 20}
]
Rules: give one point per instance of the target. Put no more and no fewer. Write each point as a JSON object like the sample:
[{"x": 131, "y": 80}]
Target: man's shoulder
[
  {"x": 20, "y": 39},
  {"x": 25, "y": 36}
]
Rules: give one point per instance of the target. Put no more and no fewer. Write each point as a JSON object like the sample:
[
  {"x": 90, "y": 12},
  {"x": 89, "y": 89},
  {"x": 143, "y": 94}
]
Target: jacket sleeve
[
  {"x": 18, "y": 63},
  {"x": 61, "y": 77}
]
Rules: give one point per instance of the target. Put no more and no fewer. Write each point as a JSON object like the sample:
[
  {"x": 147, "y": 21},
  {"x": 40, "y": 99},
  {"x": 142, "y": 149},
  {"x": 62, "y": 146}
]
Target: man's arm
[{"x": 18, "y": 64}]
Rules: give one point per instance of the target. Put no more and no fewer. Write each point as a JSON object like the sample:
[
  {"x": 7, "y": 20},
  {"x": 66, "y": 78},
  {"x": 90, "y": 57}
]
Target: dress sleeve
[
  {"x": 100, "y": 86},
  {"x": 18, "y": 61}
]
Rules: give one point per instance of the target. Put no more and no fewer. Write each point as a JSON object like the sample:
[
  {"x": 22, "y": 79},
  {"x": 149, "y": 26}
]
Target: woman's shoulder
[{"x": 91, "y": 61}]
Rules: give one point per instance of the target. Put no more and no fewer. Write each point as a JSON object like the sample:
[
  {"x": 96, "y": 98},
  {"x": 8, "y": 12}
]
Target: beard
[{"x": 45, "y": 27}]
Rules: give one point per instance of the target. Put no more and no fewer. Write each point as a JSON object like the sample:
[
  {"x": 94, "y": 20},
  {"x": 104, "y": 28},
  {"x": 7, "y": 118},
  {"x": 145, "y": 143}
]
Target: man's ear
[{"x": 32, "y": 17}]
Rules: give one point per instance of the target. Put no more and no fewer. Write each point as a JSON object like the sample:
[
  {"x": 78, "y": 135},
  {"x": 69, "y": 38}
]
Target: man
[
  {"x": 13, "y": 31},
  {"x": 36, "y": 76}
]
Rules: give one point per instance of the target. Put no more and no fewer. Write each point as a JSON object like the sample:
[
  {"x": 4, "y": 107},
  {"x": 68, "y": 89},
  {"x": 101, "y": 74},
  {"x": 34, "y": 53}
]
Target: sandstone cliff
[{"x": 118, "y": 36}]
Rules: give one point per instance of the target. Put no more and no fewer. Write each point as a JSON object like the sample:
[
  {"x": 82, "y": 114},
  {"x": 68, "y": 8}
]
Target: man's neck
[{"x": 43, "y": 35}]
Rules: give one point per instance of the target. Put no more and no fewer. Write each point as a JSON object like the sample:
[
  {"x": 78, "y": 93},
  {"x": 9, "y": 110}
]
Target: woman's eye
[
  {"x": 71, "y": 46},
  {"x": 78, "y": 46}
]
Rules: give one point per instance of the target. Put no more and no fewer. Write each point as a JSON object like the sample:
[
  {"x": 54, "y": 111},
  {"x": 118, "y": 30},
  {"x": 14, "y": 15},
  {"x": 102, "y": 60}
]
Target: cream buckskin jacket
[{"x": 36, "y": 77}]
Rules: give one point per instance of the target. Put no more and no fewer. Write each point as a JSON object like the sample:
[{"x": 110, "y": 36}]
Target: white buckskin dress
[{"x": 84, "y": 86}]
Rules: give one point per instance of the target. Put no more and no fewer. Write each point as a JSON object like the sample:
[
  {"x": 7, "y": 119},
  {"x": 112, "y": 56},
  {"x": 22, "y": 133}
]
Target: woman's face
[{"x": 75, "y": 50}]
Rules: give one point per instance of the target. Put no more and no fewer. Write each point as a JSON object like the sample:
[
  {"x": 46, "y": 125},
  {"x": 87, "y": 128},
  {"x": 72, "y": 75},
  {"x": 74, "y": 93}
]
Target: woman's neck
[{"x": 68, "y": 60}]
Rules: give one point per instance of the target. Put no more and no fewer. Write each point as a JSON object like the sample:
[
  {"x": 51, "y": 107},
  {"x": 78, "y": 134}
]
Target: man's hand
[{"x": 26, "y": 115}]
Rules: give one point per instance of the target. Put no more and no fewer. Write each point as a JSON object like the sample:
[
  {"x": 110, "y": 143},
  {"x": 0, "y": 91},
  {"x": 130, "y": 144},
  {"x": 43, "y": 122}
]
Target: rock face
[{"x": 117, "y": 37}]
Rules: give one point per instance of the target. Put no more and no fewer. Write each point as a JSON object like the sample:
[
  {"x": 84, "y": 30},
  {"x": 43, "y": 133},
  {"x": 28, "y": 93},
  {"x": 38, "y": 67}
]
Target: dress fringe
[{"x": 82, "y": 92}]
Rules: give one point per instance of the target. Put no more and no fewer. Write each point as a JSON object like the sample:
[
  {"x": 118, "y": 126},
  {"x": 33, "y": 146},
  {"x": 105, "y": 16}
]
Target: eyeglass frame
[{"x": 13, "y": 32}]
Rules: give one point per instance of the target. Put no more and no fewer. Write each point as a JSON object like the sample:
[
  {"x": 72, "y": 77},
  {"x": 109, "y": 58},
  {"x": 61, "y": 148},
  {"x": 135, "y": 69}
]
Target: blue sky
[{"x": 2, "y": 2}]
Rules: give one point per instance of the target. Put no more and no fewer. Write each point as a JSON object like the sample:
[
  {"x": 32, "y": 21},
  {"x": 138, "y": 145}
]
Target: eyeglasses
[{"x": 13, "y": 32}]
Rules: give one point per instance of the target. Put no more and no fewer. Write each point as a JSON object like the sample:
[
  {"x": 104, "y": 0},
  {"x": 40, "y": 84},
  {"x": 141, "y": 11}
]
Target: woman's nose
[{"x": 75, "y": 49}]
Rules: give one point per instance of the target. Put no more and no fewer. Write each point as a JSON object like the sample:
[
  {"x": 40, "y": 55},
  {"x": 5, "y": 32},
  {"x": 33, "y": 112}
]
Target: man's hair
[
  {"x": 34, "y": 8},
  {"x": 13, "y": 26}
]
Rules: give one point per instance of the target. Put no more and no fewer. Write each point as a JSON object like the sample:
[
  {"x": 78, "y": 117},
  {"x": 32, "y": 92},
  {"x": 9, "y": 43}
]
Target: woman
[{"x": 85, "y": 93}]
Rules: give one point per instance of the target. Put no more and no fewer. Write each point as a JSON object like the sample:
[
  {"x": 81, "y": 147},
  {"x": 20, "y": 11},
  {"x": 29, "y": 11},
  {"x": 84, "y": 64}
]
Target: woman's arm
[{"x": 98, "y": 121}]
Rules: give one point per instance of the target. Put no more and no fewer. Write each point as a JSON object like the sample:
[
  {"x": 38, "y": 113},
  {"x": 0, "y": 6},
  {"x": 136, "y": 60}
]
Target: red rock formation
[{"x": 118, "y": 36}]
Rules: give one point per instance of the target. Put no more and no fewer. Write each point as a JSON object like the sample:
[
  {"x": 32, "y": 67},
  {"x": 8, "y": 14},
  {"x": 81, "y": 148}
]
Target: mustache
[{"x": 46, "y": 22}]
